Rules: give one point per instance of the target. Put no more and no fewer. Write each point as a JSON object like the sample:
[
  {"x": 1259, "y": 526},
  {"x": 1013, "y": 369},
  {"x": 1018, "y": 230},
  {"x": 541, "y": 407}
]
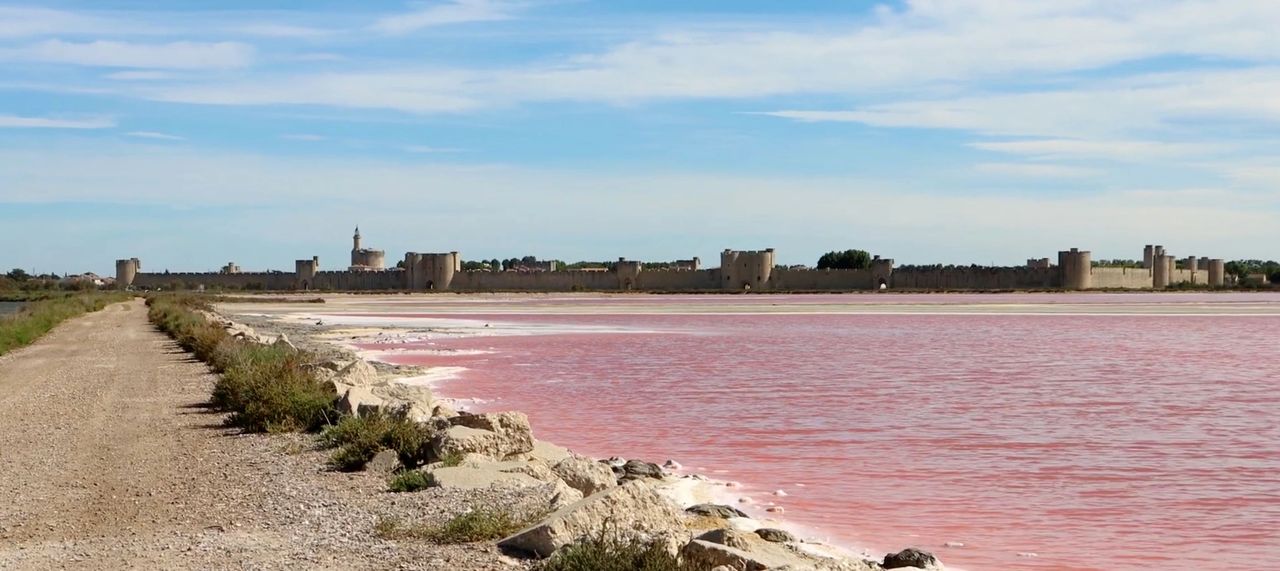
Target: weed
[
  {"x": 612, "y": 550},
  {"x": 411, "y": 481},
  {"x": 358, "y": 440}
]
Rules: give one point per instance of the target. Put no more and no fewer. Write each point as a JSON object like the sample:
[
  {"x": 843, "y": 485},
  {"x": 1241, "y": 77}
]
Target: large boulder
[
  {"x": 585, "y": 475},
  {"x": 912, "y": 557},
  {"x": 360, "y": 401},
  {"x": 480, "y": 477},
  {"x": 744, "y": 550},
  {"x": 775, "y": 535},
  {"x": 359, "y": 373},
  {"x": 715, "y": 510},
  {"x": 637, "y": 470},
  {"x": 547, "y": 452},
  {"x": 635, "y": 507},
  {"x": 282, "y": 342},
  {"x": 496, "y": 435}
]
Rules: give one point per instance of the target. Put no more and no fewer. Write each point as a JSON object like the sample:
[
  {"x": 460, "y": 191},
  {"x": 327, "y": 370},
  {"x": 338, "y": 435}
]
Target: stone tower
[
  {"x": 355, "y": 241},
  {"x": 1077, "y": 269},
  {"x": 126, "y": 271},
  {"x": 305, "y": 271},
  {"x": 746, "y": 270}
]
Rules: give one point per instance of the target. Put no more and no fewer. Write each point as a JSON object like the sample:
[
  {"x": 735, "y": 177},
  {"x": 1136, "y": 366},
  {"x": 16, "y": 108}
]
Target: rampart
[{"x": 754, "y": 270}]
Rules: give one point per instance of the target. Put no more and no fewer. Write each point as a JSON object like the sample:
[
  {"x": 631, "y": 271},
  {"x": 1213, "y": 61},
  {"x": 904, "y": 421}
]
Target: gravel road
[{"x": 108, "y": 460}]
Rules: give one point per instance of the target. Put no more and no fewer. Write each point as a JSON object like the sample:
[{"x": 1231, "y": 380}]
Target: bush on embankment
[
  {"x": 39, "y": 317},
  {"x": 265, "y": 388}
]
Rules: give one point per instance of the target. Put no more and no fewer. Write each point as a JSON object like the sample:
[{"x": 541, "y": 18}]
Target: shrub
[
  {"x": 265, "y": 388},
  {"x": 478, "y": 525},
  {"x": 358, "y": 440},
  {"x": 411, "y": 481},
  {"x": 610, "y": 550}
]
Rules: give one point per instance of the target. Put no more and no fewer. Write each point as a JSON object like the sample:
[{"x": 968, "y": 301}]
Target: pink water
[{"x": 1135, "y": 440}]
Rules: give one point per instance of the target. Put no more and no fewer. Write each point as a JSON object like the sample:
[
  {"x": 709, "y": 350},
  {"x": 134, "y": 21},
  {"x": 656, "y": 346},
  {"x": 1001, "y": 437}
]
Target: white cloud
[
  {"x": 1115, "y": 150},
  {"x": 138, "y": 75},
  {"x": 24, "y": 22},
  {"x": 1155, "y": 103},
  {"x": 102, "y": 53},
  {"x": 911, "y": 224},
  {"x": 1035, "y": 170},
  {"x": 17, "y": 122},
  {"x": 444, "y": 13},
  {"x": 303, "y": 137},
  {"x": 155, "y": 135},
  {"x": 424, "y": 91},
  {"x": 272, "y": 30}
]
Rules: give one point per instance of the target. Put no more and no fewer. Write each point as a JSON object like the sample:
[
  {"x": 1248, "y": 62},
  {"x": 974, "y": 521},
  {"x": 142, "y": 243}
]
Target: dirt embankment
[{"x": 108, "y": 460}]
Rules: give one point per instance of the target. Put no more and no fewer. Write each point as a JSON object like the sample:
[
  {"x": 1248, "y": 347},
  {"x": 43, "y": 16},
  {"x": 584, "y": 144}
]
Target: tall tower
[{"x": 356, "y": 240}]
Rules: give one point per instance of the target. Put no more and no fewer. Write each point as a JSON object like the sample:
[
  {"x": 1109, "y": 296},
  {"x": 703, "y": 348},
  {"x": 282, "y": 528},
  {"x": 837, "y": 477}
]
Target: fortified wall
[{"x": 740, "y": 270}]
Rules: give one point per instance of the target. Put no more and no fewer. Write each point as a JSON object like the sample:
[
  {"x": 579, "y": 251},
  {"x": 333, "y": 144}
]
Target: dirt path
[{"x": 109, "y": 461}]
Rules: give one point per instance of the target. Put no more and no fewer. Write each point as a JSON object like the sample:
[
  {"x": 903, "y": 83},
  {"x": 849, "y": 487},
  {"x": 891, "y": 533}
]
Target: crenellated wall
[
  {"x": 1121, "y": 278},
  {"x": 739, "y": 271},
  {"x": 976, "y": 278},
  {"x": 193, "y": 280}
]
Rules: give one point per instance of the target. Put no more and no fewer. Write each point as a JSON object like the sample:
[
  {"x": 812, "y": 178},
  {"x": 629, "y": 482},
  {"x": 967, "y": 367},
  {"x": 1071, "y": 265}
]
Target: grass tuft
[
  {"x": 611, "y": 550},
  {"x": 411, "y": 481},
  {"x": 478, "y": 525},
  {"x": 359, "y": 439}
]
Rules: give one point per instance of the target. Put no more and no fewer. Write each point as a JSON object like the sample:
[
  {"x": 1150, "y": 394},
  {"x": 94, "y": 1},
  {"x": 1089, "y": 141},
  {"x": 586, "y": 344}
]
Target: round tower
[
  {"x": 126, "y": 272},
  {"x": 355, "y": 242},
  {"x": 413, "y": 278},
  {"x": 1160, "y": 271},
  {"x": 1077, "y": 269},
  {"x": 1217, "y": 272},
  {"x": 435, "y": 271},
  {"x": 746, "y": 270}
]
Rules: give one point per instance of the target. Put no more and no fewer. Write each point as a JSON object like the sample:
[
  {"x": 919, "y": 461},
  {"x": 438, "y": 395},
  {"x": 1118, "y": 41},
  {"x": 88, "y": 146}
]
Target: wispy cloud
[
  {"x": 275, "y": 30},
  {"x": 155, "y": 135},
  {"x": 444, "y": 13},
  {"x": 1114, "y": 150},
  {"x": 18, "y": 122},
  {"x": 139, "y": 75},
  {"x": 174, "y": 55},
  {"x": 27, "y": 22},
  {"x": 1035, "y": 170},
  {"x": 303, "y": 137}
]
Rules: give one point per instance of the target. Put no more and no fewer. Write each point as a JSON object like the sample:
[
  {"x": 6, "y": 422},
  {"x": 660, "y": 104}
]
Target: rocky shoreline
[{"x": 496, "y": 455}]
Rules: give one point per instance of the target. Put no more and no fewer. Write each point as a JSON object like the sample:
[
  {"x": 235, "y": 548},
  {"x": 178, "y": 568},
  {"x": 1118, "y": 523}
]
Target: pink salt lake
[{"x": 1045, "y": 431}]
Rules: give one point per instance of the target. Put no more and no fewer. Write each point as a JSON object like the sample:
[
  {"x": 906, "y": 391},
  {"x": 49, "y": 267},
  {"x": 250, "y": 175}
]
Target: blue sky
[{"x": 956, "y": 131}]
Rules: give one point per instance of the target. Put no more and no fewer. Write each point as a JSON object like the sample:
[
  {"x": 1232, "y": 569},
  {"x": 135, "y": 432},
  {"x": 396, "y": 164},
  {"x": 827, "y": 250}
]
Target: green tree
[
  {"x": 846, "y": 260},
  {"x": 18, "y": 275}
]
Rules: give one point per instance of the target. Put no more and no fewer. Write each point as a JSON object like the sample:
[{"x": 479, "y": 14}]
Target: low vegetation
[
  {"x": 359, "y": 439},
  {"x": 265, "y": 388},
  {"x": 411, "y": 481},
  {"x": 39, "y": 317},
  {"x": 611, "y": 550},
  {"x": 478, "y": 525}
]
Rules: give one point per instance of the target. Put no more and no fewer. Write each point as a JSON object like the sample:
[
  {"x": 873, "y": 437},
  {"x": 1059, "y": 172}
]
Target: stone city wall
[{"x": 1121, "y": 278}]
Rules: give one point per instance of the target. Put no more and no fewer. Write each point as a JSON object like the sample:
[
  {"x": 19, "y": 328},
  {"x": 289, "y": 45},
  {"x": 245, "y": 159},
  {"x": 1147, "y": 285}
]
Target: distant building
[{"x": 365, "y": 259}]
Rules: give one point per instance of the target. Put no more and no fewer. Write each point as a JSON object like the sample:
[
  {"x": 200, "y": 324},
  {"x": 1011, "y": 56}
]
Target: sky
[{"x": 190, "y": 134}]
